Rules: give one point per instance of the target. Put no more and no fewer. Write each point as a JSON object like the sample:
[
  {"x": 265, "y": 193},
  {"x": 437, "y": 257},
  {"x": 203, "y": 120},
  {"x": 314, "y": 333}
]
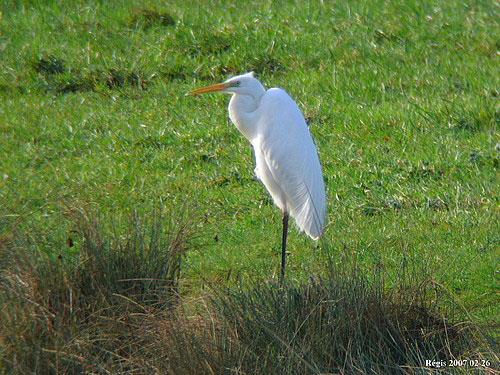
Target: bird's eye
[{"x": 238, "y": 83}]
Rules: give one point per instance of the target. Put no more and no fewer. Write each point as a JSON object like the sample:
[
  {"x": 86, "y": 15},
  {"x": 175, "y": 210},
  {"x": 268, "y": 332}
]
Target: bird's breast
[{"x": 243, "y": 112}]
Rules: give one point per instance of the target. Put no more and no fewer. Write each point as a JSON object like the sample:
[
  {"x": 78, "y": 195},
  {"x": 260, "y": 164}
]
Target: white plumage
[
  {"x": 286, "y": 159},
  {"x": 287, "y": 162}
]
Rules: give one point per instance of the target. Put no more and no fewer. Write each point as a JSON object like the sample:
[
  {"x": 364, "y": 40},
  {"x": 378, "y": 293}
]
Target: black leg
[{"x": 283, "y": 243}]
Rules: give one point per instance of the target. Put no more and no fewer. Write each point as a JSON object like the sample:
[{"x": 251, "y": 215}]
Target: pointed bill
[{"x": 202, "y": 90}]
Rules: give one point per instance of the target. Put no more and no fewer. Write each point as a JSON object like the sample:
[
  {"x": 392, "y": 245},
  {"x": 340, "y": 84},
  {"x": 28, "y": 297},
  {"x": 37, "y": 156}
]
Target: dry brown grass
[{"x": 115, "y": 308}]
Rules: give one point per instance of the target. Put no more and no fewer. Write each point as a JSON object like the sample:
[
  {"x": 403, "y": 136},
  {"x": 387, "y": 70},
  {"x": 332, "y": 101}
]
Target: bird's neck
[{"x": 243, "y": 113}]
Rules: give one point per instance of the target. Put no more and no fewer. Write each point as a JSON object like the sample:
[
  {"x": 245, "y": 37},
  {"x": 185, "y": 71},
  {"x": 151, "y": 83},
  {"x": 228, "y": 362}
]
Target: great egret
[{"x": 286, "y": 159}]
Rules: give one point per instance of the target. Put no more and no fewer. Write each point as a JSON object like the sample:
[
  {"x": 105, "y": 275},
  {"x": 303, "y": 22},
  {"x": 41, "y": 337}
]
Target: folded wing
[{"x": 286, "y": 147}]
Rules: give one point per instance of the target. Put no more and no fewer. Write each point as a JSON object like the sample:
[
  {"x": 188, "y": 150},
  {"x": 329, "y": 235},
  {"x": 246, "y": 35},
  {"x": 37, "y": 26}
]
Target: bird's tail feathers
[{"x": 309, "y": 217}]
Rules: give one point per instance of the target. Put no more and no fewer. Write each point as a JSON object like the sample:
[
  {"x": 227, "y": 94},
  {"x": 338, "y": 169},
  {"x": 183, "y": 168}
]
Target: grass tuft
[
  {"x": 143, "y": 18},
  {"x": 71, "y": 312},
  {"x": 56, "y": 78},
  {"x": 49, "y": 65},
  {"x": 344, "y": 322}
]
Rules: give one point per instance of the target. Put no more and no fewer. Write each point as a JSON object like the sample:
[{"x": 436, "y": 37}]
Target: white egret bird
[{"x": 286, "y": 159}]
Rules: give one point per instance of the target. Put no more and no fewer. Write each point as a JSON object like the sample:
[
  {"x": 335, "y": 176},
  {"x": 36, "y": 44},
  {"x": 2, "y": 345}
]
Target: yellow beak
[{"x": 202, "y": 90}]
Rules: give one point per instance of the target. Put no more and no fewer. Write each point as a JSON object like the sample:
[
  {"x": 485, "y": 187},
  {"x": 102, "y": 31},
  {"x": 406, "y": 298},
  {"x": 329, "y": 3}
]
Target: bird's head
[{"x": 245, "y": 84}]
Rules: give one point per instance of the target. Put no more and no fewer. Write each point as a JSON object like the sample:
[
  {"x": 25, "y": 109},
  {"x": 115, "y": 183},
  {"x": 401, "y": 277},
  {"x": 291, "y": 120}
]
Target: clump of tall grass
[
  {"x": 73, "y": 313},
  {"x": 340, "y": 323}
]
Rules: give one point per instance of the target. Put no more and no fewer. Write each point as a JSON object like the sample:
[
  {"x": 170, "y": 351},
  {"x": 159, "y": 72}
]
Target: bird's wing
[{"x": 292, "y": 159}]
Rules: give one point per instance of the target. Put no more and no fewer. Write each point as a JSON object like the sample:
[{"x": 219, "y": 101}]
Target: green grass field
[{"x": 401, "y": 99}]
